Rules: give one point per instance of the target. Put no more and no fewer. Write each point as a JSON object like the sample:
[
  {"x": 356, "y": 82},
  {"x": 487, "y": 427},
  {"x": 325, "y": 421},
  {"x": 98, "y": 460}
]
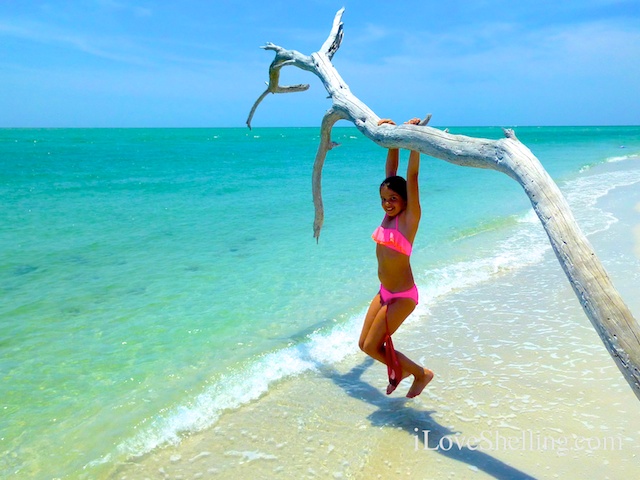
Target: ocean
[{"x": 155, "y": 282}]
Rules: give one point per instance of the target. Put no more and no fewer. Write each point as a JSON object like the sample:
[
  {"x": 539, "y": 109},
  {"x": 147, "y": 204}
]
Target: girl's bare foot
[
  {"x": 419, "y": 383},
  {"x": 391, "y": 388}
]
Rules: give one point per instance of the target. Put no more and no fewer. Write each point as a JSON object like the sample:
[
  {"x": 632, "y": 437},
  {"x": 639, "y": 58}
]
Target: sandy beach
[
  {"x": 524, "y": 389},
  {"x": 636, "y": 232},
  {"x": 179, "y": 299}
]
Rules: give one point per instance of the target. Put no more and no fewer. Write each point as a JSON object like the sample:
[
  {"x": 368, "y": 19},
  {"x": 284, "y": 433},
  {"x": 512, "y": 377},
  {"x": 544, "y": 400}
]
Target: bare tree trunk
[{"x": 606, "y": 310}]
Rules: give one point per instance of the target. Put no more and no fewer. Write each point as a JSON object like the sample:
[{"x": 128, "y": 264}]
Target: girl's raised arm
[
  {"x": 393, "y": 159},
  {"x": 413, "y": 192},
  {"x": 393, "y": 155}
]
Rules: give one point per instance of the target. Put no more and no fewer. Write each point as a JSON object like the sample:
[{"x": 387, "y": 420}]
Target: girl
[{"x": 398, "y": 294}]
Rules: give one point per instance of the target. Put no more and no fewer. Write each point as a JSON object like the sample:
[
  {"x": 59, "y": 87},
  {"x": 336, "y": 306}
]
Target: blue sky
[{"x": 197, "y": 63}]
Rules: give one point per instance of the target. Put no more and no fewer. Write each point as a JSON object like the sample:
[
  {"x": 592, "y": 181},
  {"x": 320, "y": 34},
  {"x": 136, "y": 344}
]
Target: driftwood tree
[{"x": 601, "y": 302}]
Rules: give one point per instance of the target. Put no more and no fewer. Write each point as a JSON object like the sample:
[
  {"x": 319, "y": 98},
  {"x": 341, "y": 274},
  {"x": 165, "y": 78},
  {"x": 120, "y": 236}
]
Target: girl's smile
[{"x": 392, "y": 203}]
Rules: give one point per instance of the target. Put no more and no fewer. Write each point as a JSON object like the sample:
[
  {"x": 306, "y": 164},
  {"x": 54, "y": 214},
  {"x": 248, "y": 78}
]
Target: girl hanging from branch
[{"x": 398, "y": 294}]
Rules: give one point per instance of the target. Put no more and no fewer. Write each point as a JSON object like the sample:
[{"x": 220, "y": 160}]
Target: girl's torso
[{"x": 393, "y": 250}]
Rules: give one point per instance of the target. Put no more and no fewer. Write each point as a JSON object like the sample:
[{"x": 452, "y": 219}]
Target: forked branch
[{"x": 274, "y": 80}]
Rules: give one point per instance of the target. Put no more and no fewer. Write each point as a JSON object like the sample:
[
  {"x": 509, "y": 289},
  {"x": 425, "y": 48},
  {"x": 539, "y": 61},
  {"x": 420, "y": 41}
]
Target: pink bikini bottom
[
  {"x": 394, "y": 369},
  {"x": 386, "y": 297}
]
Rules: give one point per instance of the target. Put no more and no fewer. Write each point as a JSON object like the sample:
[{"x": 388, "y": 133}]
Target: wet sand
[
  {"x": 636, "y": 232},
  {"x": 524, "y": 388}
]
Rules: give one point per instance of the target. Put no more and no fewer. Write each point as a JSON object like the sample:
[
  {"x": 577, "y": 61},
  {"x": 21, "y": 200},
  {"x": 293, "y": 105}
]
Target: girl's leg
[
  {"x": 372, "y": 339},
  {"x": 374, "y": 308}
]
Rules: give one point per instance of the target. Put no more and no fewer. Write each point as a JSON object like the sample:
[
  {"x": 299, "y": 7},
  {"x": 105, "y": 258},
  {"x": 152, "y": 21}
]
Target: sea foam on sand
[{"x": 524, "y": 388}]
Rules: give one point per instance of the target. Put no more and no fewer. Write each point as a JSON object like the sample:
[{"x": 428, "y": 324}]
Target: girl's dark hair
[{"x": 397, "y": 184}]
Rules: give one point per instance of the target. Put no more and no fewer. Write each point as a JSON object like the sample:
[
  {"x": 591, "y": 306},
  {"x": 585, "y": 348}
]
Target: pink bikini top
[{"x": 392, "y": 238}]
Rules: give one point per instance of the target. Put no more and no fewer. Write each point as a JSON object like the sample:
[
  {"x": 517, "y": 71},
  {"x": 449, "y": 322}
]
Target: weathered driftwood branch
[
  {"x": 601, "y": 302},
  {"x": 274, "y": 78}
]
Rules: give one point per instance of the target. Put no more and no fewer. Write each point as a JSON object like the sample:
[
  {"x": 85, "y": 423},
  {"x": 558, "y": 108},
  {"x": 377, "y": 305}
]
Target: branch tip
[
  {"x": 509, "y": 133},
  {"x": 426, "y": 120},
  {"x": 332, "y": 43}
]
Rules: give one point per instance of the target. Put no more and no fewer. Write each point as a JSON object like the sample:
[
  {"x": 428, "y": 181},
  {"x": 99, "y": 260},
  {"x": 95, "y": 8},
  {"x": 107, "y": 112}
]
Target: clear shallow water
[
  {"x": 514, "y": 355},
  {"x": 152, "y": 278}
]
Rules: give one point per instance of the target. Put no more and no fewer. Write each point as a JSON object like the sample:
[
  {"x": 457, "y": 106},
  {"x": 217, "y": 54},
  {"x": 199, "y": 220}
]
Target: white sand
[
  {"x": 636, "y": 234},
  {"x": 524, "y": 388}
]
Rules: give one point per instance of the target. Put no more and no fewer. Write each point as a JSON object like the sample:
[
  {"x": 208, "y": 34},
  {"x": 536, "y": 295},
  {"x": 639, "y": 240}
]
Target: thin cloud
[
  {"x": 117, "y": 48},
  {"x": 460, "y": 57},
  {"x": 512, "y": 47},
  {"x": 121, "y": 6},
  {"x": 103, "y": 47}
]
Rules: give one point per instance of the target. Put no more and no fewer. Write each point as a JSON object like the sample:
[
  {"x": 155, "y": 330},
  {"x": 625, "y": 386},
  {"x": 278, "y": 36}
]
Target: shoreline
[
  {"x": 524, "y": 388},
  {"x": 142, "y": 323},
  {"x": 636, "y": 232}
]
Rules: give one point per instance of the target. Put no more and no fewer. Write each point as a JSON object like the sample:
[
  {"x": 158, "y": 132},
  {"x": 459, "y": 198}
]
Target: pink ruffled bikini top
[{"x": 392, "y": 238}]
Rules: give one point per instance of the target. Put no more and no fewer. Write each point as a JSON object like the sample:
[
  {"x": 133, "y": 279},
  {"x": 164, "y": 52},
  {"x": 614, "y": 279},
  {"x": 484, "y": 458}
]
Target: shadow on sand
[{"x": 393, "y": 412}]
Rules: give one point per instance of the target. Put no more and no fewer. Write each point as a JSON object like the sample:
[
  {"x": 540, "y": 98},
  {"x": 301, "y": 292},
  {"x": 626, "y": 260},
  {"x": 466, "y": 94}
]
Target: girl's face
[{"x": 392, "y": 203}]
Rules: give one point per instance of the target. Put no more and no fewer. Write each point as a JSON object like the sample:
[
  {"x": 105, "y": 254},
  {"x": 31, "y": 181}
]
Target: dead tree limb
[{"x": 601, "y": 302}]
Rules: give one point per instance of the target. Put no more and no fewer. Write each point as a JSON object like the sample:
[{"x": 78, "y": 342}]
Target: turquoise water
[{"x": 151, "y": 279}]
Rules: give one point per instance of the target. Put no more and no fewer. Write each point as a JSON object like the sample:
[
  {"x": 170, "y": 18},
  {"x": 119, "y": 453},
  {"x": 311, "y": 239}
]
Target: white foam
[
  {"x": 252, "y": 381},
  {"x": 584, "y": 192},
  {"x": 526, "y": 246},
  {"x": 250, "y": 456},
  {"x": 614, "y": 159},
  {"x": 622, "y": 158},
  {"x": 529, "y": 243}
]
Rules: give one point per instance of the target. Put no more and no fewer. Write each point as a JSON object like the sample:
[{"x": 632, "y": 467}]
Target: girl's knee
[
  {"x": 370, "y": 347},
  {"x": 364, "y": 345}
]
